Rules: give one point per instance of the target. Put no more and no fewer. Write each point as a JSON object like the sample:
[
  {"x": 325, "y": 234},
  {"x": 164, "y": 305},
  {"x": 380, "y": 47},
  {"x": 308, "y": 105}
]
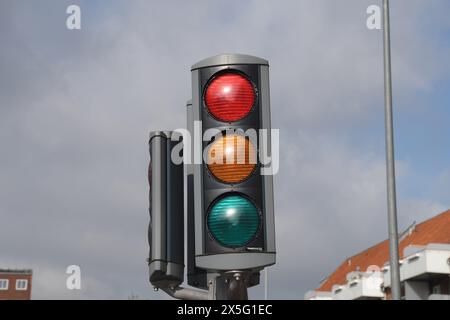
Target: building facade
[
  {"x": 424, "y": 267},
  {"x": 15, "y": 284}
]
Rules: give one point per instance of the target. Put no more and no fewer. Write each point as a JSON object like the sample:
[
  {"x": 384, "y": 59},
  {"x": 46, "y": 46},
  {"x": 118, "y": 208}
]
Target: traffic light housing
[
  {"x": 166, "y": 227},
  {"x": 233, "y": 201}
]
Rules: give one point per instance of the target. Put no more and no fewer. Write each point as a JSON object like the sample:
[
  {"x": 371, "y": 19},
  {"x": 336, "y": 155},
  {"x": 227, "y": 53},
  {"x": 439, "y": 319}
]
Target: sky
[{"x": 76, "y": 107}]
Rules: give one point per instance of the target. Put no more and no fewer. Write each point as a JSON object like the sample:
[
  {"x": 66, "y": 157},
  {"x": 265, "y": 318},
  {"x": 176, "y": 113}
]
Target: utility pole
[{"x": 390, "y": 160}]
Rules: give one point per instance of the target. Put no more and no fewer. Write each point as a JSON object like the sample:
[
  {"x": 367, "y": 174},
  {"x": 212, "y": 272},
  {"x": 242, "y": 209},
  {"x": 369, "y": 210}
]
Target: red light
[{"x": 230, "y": 97}]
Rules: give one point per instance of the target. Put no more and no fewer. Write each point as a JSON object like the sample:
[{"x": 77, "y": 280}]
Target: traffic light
[
  {"x": 166, "y": 227},
  {"x": 233, "y": 200}
]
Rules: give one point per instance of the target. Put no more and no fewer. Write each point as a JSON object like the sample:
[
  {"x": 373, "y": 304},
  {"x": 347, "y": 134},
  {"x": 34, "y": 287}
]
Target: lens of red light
[{"x": 230, "y": 97}]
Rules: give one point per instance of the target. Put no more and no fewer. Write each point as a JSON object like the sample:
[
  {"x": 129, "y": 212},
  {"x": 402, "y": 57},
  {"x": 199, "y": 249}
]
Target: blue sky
[
  {"x": 423, "y": 141},
  {"x": 76, "y": 108}
]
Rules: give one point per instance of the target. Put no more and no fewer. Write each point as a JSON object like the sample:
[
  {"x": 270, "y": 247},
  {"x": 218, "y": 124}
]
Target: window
[
  {"x": 436, "y": 289},
  {"x": 21, "y": 284},
  {"x": 4, "y": 283}
]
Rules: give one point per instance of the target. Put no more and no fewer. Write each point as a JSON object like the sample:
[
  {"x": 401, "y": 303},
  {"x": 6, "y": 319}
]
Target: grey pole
[
  {"x": 390, "y": 160},
  {"x": 265, "y": 284},
  {"x": 186, "y": 294}
]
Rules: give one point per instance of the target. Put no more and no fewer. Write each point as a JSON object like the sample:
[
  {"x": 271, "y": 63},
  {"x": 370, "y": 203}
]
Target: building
[
  {"x": 15, "y": 284},
  {"x": 424, "y": 267}
]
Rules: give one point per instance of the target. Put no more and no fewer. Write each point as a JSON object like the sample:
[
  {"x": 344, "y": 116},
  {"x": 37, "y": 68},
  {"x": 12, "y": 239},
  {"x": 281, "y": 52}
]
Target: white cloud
[{"x": 76, "y": 109}]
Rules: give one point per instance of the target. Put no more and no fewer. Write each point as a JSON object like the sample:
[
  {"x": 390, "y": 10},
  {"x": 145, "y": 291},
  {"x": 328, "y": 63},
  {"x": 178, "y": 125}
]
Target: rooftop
[
  {"x": 17, "y": 271},
  {"x": 434, "y": 230}
]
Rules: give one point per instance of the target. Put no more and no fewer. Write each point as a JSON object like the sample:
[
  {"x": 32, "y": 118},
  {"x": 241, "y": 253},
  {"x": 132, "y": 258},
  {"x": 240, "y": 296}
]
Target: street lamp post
[{"x": 390, "y": 160}]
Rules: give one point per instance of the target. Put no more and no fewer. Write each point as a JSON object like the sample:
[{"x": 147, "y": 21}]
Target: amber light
[
  {"x": 230, "y": 97},
  {"x": 231, "y": 158}
]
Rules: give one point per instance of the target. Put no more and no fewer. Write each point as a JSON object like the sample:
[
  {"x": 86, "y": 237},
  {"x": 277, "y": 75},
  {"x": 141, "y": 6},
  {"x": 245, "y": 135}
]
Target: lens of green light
[{"x": 233, "y": 221}]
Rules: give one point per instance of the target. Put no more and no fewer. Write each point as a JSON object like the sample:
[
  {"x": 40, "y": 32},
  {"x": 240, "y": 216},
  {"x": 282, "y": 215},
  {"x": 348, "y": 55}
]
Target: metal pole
[
  {"x": 390, "y": 165},
  {"x": 186, "y": 294},
  {"x": 237, "y": 287},
  {"x": 265, "y": 283}
]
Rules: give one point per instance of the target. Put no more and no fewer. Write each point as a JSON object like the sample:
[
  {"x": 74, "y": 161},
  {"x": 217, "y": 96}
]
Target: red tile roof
[{"x": 434, "y": 230}]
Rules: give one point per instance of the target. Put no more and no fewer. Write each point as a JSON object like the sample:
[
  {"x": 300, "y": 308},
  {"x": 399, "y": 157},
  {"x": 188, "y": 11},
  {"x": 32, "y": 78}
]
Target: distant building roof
[
  {"x": 434, "y": 230},
  {"x": 16, "y": 271}
]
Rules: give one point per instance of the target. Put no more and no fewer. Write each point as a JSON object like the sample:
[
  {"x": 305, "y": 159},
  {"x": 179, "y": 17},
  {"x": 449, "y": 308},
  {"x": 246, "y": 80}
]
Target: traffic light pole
[
  {"x": 186, "y": 294},
  {"x": 231, "y": 285},
  {"x": 390, "y": 161},
  {"x": 228, "y": 286}
]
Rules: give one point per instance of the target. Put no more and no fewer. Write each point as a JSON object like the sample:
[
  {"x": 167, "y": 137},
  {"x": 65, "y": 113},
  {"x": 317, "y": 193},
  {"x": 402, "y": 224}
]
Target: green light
[{"x": 233, "y": 221}]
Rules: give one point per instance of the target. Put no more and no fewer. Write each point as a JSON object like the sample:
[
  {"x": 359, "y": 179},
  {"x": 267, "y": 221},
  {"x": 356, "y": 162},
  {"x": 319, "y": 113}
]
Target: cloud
[{"x": 76, "y": 108}]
